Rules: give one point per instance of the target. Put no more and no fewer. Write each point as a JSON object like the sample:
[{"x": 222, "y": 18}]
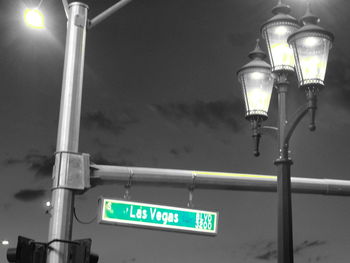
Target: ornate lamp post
[{"x": 306, "y": 47}]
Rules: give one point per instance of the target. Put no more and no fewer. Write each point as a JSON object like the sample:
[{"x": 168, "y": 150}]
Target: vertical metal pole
[
  {"x": 283, "y": 163},
  {"x": 60, "y": 229}
]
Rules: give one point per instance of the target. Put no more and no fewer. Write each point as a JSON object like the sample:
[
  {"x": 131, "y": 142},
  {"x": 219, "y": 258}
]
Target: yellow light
[
  {"x": 34, "y": 18},
  {"x": 281, "y": 30},
  {"x": 311, "y": 42},
  {"x": 235, "y": 175},
  {"x": 5, "y": 242},
  {"x": 257, "y": 75},
  {"x": 283, "y": 54}
]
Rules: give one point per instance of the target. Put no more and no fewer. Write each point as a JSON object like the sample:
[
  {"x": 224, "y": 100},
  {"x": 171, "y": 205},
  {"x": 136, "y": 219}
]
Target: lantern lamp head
[
  {"x": 276, "y": 32},
  {"x": 257, "y": 82},
  {"x": 311, "y": 45}
]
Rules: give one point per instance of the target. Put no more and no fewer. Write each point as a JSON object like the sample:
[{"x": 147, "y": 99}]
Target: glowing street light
[
  {"x": 311, "y": 45},
  {"x": 34, "y": 18},
  {"x": 257, "y": 82},
  {"x": 290, "y": 47},
  {"x": 276, "y": 32},
  {"x": 5, "y": 242}
]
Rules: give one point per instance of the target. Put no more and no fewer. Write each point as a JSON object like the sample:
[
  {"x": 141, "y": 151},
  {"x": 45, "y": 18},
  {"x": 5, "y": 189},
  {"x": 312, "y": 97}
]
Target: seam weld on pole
[
  {"x": 107, "y": 174},
  {"x": 68, "y": 133},
  {"x": 108, "y": 12}
]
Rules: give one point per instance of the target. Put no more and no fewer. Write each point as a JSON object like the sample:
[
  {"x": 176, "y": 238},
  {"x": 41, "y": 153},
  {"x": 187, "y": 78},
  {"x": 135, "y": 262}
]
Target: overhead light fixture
[{"x": 34, "y": 18}]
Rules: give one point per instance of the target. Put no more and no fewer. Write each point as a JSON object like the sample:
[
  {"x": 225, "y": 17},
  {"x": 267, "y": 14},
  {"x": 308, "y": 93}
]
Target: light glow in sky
[
  {"x": 34, "y": 18},
  {"x": 5, "y": 243}
]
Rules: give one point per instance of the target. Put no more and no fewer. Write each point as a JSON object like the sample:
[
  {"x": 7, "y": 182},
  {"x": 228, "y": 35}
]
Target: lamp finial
[
  {"x": 309, "y": 17},
  {"x": 257, "y": 53},
  {"x": 281, "y": 8}
]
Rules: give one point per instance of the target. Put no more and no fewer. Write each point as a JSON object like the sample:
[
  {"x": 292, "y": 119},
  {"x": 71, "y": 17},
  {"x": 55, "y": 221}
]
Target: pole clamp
[{"x": 71, "y": 171}]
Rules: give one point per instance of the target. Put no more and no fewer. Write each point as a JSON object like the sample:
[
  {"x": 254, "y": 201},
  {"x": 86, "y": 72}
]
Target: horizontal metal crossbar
[{"x": 106, "y": 174}]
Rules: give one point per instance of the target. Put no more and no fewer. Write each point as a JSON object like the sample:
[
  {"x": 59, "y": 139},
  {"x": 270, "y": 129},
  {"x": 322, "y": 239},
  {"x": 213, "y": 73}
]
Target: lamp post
[{"x": 288, "y": 44}]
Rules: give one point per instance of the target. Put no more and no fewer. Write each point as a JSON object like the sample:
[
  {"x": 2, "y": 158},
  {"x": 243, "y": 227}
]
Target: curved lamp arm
[{"x": 311, "y": 106}]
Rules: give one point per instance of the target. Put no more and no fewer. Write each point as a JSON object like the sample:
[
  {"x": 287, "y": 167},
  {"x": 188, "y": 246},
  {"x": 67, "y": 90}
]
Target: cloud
[
  {"x": 42, "y": 164},
  {"x": 98, "y": 158},
  {"x": 308, "y": 244},
  {"x": 5, "y": 207},
  {"x": 99, "y": 120},
  {"x": 211, "y": 114},
  {"x": 268, "y": 251},
  {"x": 28, "y": 195},
  {"x": 183, "y": 150},
  {"x": 39, "y": 163},
  {"x": 12, "y": 161}
]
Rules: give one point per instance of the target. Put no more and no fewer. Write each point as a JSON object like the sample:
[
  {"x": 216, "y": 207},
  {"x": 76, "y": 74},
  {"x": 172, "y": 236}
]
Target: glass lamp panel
[
  {"x": 312, "y": 55},
  {"x": 257, "y": 89},
  {"x": 281, "y": 55}
]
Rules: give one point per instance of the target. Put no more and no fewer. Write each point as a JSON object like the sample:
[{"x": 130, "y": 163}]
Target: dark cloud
[
  {"x": 129, "y": 260},
  {"x": 184, "y": 150},
  {"x": 101, "y": 143},
  {"x": 5, "y": 207},
  {"x": 100, "y": 120},
  {"x": 308, "y": 244},
  {"x": 98, "y": 158},
  {"x": 212, "y": 114},
  {"x": 39, "y": 163},
  {"x": 269, "y": 255},
  {"x": 28, "y": 195},
  {"x": 12, "y": 161},
  {"x": 269, "y": 250},
  {"x": 42, "y": 164}
]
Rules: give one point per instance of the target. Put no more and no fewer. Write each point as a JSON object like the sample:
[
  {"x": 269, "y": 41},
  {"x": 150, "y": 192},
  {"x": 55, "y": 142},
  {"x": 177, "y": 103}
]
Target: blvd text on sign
[{"x": 138, "y": 214}]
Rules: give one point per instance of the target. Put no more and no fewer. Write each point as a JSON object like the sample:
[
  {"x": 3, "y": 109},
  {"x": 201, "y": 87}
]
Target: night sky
[{"x": 160, "y": 90}]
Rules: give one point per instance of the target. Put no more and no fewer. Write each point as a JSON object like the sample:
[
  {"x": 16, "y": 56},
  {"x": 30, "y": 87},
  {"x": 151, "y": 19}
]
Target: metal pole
[
  {"x": 283, "y": 163},
  {"x": 110, "y": 11},
  {"x": 108, "y": 174},
  {"x": 60, "y": 229}
]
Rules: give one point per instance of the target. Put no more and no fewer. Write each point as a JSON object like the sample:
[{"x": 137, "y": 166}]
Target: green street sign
[{"x": 162, "y": 217}]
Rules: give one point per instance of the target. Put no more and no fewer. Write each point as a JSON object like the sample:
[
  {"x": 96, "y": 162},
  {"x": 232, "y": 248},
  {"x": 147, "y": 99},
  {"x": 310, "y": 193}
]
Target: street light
[
  {"x": 308, "y": 49},
  {"x": 34, "y": 18},
  {"x": 311, "y": 45},
  {"x": 257, "y": 82},
  {"x": 276, "y": 32},
  {"x": 5, "y": 242}
]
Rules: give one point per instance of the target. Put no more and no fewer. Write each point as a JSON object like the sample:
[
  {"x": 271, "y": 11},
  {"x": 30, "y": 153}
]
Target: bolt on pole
[{"x": 60, "y": 229}]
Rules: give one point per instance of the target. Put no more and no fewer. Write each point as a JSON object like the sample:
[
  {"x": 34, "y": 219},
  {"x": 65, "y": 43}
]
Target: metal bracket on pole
[
  {"x": 190, "y": 191},
  {"x": 127, "y": 186},
  {"x": 72, "y": 171}
]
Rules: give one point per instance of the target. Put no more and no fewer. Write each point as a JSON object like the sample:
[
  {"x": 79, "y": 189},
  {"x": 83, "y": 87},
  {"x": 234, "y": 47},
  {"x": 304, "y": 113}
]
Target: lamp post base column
[{"x": 285, "y": 229}]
